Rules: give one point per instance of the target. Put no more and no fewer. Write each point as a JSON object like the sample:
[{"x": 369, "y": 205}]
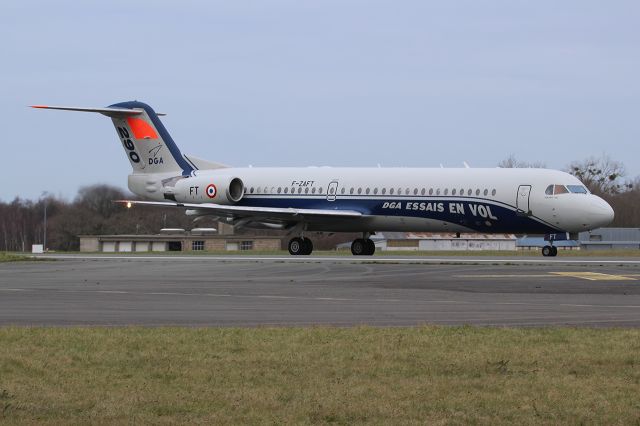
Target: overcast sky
[{"x": 344, "y": 83}]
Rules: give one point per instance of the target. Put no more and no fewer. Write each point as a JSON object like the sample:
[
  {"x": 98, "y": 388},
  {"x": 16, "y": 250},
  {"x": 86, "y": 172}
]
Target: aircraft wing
[{"x": 288, "y": 214}]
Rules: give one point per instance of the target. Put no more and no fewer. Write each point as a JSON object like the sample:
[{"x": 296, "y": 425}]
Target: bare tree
[
  {"x": 601, "y": 175},
  {"x": 512, "y": 163}
]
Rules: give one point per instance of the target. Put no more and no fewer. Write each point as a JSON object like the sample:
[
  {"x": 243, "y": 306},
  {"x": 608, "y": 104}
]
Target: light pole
[{"x": 44, "y": 237}]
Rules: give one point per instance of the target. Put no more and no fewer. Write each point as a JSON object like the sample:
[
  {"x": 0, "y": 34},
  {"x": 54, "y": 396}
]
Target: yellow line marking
[{"x": 594, "y": 276}]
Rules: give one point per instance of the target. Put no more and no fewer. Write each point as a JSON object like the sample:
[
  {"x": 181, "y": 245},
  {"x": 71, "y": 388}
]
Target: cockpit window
[
  {"x": 549, "y": 190},
  {"x": 577, "y": 189},
  {"x": 562, "y": 189},
  {"x": 559, "y": 189}
]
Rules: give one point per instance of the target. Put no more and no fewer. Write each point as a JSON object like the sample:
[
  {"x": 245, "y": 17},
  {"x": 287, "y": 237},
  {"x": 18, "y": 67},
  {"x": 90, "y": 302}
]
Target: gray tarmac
[{"x": 293, "y": 291}]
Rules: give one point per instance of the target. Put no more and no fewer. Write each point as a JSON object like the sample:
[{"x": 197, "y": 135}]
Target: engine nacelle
[{"x": 211, "y": 188}]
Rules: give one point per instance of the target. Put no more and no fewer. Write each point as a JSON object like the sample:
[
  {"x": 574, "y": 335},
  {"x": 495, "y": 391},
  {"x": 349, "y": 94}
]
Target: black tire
[
  {"x": 296, "y": 246},
  {"x": 546, "y": 251},
  {"x": 358, "y": 247},
  {"x": 554, "y": 251},
  {"x": 308, "y": 246},
  {"x": 371, "y": 247}
]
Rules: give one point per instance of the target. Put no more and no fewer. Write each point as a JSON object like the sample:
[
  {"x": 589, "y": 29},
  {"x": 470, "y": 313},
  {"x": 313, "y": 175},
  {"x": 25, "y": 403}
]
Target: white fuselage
[{"x": 399, "y": 199}]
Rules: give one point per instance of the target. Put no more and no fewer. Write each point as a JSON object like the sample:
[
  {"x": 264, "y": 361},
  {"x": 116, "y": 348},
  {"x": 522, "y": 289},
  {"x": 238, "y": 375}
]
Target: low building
[
  {"x": 536, "y": 243},
  {"x": 441, "y": 241},
  {"x": 177, "y": 240},
  {"x": 610, "y": 238}
]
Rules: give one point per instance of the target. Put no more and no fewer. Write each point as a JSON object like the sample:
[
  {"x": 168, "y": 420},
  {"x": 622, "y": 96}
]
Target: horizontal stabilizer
[{"x": 109, "y": 112}]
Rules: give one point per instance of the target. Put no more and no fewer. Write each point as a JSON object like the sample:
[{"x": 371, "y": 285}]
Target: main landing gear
[
  {"x": 549, "y": 251},
  {"x": 363, "y": 247},
  {"x": 300, "y": 246}
]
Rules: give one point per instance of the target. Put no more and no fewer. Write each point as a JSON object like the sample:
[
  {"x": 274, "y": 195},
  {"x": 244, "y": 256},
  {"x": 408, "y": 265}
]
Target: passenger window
[
  {"x": 351, "y": 191},
  {"x": 313, "y": 190},
  {"x": 430, "y": 191},
  {"x": 391, "y": 191},
  {"x": 486, "y": 192},
  {"x": 438, "y": 191},
  {"x": 462, "y": 192},
  {"x": 422, "y": 191},
  {"x": 469, "y": 191},
  {"x": 477, "y": 192},
  {"x": 286, "y": 190},
  {"x": 446, "y": 191},
  {"x": 342, "y": 191},
  {"x": 384, "y": 191},
  {"x": 306, "y": 190},
  {"x": 375, "y": 191},
  {"x": 493, "y": 192},
  {"x": 359, "y": 190},
  {"x": 367, "y": 191},
  {"x": 453, "y": 192},
  {"x": 279, "y": 189}
]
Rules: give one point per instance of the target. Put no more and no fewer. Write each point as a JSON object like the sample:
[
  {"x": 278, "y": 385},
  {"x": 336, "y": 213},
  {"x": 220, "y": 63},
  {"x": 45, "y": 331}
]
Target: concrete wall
[
  {"x": 88, "y": 244},
  {"x": 113, "y": 244}
]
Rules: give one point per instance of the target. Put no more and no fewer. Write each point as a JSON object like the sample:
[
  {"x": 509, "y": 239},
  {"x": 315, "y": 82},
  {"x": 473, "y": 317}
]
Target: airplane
[{"x": 303, "y": 200}]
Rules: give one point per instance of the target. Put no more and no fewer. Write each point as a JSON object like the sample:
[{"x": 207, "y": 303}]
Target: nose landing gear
[{"x": 549, "y": 251}]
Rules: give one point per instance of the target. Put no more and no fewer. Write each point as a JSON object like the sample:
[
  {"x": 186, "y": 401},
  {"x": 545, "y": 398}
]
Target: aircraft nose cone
[{"x": 600, "y": 213}]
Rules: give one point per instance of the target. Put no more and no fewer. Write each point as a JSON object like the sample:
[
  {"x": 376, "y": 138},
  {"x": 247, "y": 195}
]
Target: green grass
[
  {"x": 423, "y": 375},
  {"x": 13, "y": 257}
]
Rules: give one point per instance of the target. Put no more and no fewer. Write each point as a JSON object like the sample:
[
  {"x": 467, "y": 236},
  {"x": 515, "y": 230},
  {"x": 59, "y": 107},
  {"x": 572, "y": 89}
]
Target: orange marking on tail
[
  {"x": 141, "y": 129},
  {"x": 38, "y": 106}
]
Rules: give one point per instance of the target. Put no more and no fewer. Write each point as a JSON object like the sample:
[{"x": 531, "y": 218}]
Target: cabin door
[
  {"x": 332, "y": 191},
  {"x": 522, "y": 200}
]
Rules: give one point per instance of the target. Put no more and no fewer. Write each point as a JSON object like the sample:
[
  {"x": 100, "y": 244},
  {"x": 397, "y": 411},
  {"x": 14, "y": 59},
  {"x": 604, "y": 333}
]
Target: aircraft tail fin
[{"x": 148, "y": 145}]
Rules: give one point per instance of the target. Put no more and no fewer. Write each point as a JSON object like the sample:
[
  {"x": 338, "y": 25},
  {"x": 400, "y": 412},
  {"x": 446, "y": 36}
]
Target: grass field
[
  {"x": 13, "y": 257},
  {"x": 423, "y": 375}
]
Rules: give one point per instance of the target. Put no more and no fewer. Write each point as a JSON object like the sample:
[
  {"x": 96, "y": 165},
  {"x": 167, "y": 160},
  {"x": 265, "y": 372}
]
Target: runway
[{"x": 293, "y": 291}]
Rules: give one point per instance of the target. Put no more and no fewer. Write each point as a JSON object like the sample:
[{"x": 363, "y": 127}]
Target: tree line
[{"x": 93, "y": 211}]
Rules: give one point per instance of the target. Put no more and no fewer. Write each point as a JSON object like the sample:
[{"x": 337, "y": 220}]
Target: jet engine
[{"x": 210, "y": 188}]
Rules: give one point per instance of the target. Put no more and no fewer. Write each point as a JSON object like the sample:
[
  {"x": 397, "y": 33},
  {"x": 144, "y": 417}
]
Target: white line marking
[{"x": 345, "y": 259}]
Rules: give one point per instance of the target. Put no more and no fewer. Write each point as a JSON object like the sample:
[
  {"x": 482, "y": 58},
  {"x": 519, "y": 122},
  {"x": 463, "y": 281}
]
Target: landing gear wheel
[
  {"x": 296, "y": 246},
  {"x": 358, "y": 247},
  {"x": 362, "y": 247},
  {"x": 547, "y": 250},
  {"x": 308, "y": 246},
  {"x": 371, "y": 247},
  {"x": 554, "y": 251}
]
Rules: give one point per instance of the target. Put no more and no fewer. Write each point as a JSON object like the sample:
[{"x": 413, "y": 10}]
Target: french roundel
[{"x": 211, "y": 190}]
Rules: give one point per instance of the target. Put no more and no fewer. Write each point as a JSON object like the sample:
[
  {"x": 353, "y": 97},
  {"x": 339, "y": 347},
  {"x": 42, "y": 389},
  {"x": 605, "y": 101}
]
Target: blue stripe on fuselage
[{"x": 477, "y": 214}]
